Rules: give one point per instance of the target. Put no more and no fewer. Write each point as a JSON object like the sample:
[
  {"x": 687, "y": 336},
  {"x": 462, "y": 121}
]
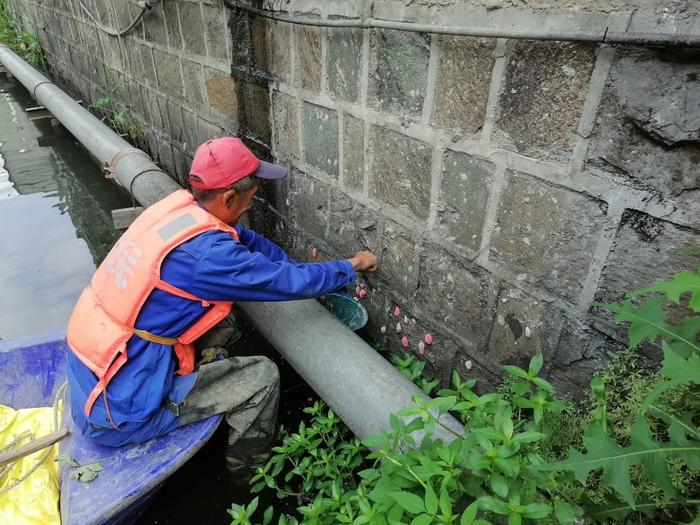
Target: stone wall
[
  {"x": 506, "y": 185},
  {"x": 171, "y": 75}
]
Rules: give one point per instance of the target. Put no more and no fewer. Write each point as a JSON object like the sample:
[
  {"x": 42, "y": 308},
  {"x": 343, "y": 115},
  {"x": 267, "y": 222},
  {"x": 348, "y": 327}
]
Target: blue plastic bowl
[{"x": 347, "y": 309}]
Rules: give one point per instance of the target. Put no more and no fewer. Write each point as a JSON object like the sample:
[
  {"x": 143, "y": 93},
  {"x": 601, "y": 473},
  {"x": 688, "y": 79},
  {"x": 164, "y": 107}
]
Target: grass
[{"x": 24, "y": 44}]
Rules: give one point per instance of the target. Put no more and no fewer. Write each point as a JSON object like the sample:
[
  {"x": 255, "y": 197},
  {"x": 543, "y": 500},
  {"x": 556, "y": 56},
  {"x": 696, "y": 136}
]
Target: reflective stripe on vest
[{"x": 103, "y": 319}]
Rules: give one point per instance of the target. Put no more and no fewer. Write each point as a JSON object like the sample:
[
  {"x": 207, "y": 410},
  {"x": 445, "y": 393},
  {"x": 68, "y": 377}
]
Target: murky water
[{"x": 56, "y": 227}]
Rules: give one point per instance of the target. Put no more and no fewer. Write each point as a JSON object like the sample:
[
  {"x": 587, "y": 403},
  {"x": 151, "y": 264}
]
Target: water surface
[{"x": 55, "y": 226}]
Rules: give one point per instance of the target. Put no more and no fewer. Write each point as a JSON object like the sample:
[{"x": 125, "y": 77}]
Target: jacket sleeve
[
  {"x": 229, "y": 271},
  {"x": 257, "y": 243}
]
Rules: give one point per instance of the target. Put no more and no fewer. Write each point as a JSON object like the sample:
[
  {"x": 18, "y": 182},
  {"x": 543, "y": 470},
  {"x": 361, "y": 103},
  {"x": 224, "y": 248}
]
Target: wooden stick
[{"x": 33, "y": 446}]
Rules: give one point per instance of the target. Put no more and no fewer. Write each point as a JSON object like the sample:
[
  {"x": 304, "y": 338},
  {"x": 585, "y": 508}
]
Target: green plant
[
  {"x": 629, "y": 455},
  {"x": 412, "y": 369},
  {"x": 24, "y": 44},
  {"x": 659, "y": 444},
  {"x": 490, "y": 472},
  {"x": 316, "y": 463},
  {"x": 116, "y": 115}
]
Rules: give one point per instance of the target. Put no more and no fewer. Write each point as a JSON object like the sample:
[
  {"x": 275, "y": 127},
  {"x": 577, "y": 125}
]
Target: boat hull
[{"x": 32, "y": 370}]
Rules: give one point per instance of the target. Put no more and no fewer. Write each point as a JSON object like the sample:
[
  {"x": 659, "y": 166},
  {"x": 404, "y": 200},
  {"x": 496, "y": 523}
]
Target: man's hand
[{"x": 364, "y": 261}]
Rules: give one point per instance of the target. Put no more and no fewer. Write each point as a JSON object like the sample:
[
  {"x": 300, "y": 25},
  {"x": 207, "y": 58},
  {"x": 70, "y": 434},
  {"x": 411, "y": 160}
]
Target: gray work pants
[{"x": 244, "y": 388}]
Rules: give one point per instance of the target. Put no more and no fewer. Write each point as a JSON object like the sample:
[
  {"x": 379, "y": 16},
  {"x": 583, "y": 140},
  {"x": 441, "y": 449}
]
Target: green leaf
[
  {"x": 494, "y": 505},
  {"x": 535, "y": 511},
  {"x": 514, "y": 519},
  {"x": 445, "y": 502},
  {"x": 469, "y": 514},
  {"x": 528, "y": 437},
  {"x": 431, "y": 501},
  {"x": 516, "y": 371},
  {"x": 680, "y": 284},
  {"x": 603, "y": 452},
  {"x": 535, "y": 365},
  {"x": 267, "y": 517},
  {"x": 598, "y": 388},
  {"x": 648, "y": 321},
  {"x": 409, "y": 501},
  {"x": 499, "y": 484},
  {"x": 422, "y": 519},
  {"x": 86, "y": 473},
  {"x": 544, "y": 384},
  {"x": 619, "y": 510},
  {"x": 678, "y": 369},
  {"x": 566, "y": 512},
  {"x": 509, "y": 466}
]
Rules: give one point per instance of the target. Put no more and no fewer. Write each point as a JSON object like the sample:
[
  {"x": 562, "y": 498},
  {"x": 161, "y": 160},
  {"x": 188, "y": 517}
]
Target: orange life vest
[{"x": 103, "y": 319}]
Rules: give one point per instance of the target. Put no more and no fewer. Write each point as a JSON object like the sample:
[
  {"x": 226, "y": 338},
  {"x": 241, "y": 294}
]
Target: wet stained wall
[{"x": 505, "y": 184}]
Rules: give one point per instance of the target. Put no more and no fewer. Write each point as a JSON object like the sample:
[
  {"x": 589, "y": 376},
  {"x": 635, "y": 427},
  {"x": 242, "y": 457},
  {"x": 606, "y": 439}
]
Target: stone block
[
  {"x": 456, "y": 294},
  {"x": 260, "y": 43},
  {"x": 401, "y": 172},
  {"x": 542, "y": 98},
  {"x": 275, "y": 193},
  {"x": 308, "y": 52},
  {"x": 153, "y": 107},
  {"x": 353, "y": 152},
  {"x": 353, "y": 227},
  {"x": 165, "y": 158},
  {"x": 320, "y": 136},
  {"x": 255, "y": 107},
  {"x": 398, "y": 71},
  {"x": 169, "y": 75},
  {"x": 135, "y": 60},
  {"x": 344, "y": 63},
  {"x": 647, "y": 132},
  {"x": 149, "y": 68},
  {"x": 172, "y": 25},
  {"x": 176, "y": 129},
  {"x": 463, "y": 82},
  {"x": 310, "y": 199},
  {"x": 645, "y": 250},
  {"x": 193, "y": 27},
  {"x": 545, "y": 235},
  {"x": 154, "y": 25},
  {"x": 207, "y": 130},
  {"x": 189, "y": 131},
  {"x": 466, "y": 181},
  {"x": 470, "y": 363},
  {"x": 134, "y": 102},
  {"x": 267, "y": 223},
  {"x": 581, "y": 351},
  {"x": 286, "y": 125},
  {"x": 523, "y": 326},
  {"x": 439, "y": 356},
  {"x": 217, "y": 33},
  {"x": 222, "y": 93},
  {"x": 280, "y": 51},
  {"x": 399, "y": 259},
  {"x": 182, "y": 166},
  {"x": 192, "y": 76}
]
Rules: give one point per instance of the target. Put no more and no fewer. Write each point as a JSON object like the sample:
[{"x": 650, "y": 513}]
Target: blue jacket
[{"x": 211, "y": 266}]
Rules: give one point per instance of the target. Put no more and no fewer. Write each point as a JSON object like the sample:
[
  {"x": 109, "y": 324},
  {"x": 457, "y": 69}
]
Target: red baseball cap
[{"x": 218, "y": 163}]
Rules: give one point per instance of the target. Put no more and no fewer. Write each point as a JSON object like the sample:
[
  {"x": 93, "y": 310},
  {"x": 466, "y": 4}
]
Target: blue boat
[{"x": 31, "y": 372}]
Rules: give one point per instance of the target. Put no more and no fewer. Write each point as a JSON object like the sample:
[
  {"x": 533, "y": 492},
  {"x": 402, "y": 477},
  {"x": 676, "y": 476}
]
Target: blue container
[{"x": 347, "y": 309}]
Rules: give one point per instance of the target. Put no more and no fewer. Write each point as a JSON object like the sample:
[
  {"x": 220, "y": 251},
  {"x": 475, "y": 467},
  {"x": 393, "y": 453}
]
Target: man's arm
[
  {"x": 257, "y": 243},
  {"x": 229, "y": 271}
]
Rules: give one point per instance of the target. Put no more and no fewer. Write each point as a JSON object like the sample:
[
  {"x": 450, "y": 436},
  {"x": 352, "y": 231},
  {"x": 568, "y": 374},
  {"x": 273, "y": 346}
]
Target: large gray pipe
[{"x": 360, "y": 385}]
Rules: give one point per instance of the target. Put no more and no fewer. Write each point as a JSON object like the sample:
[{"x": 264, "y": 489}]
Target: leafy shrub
[
  {"x": 630, "y": 455},
  {"x": 24, "y": 44},
  {"x": 657, "y": 451}
]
